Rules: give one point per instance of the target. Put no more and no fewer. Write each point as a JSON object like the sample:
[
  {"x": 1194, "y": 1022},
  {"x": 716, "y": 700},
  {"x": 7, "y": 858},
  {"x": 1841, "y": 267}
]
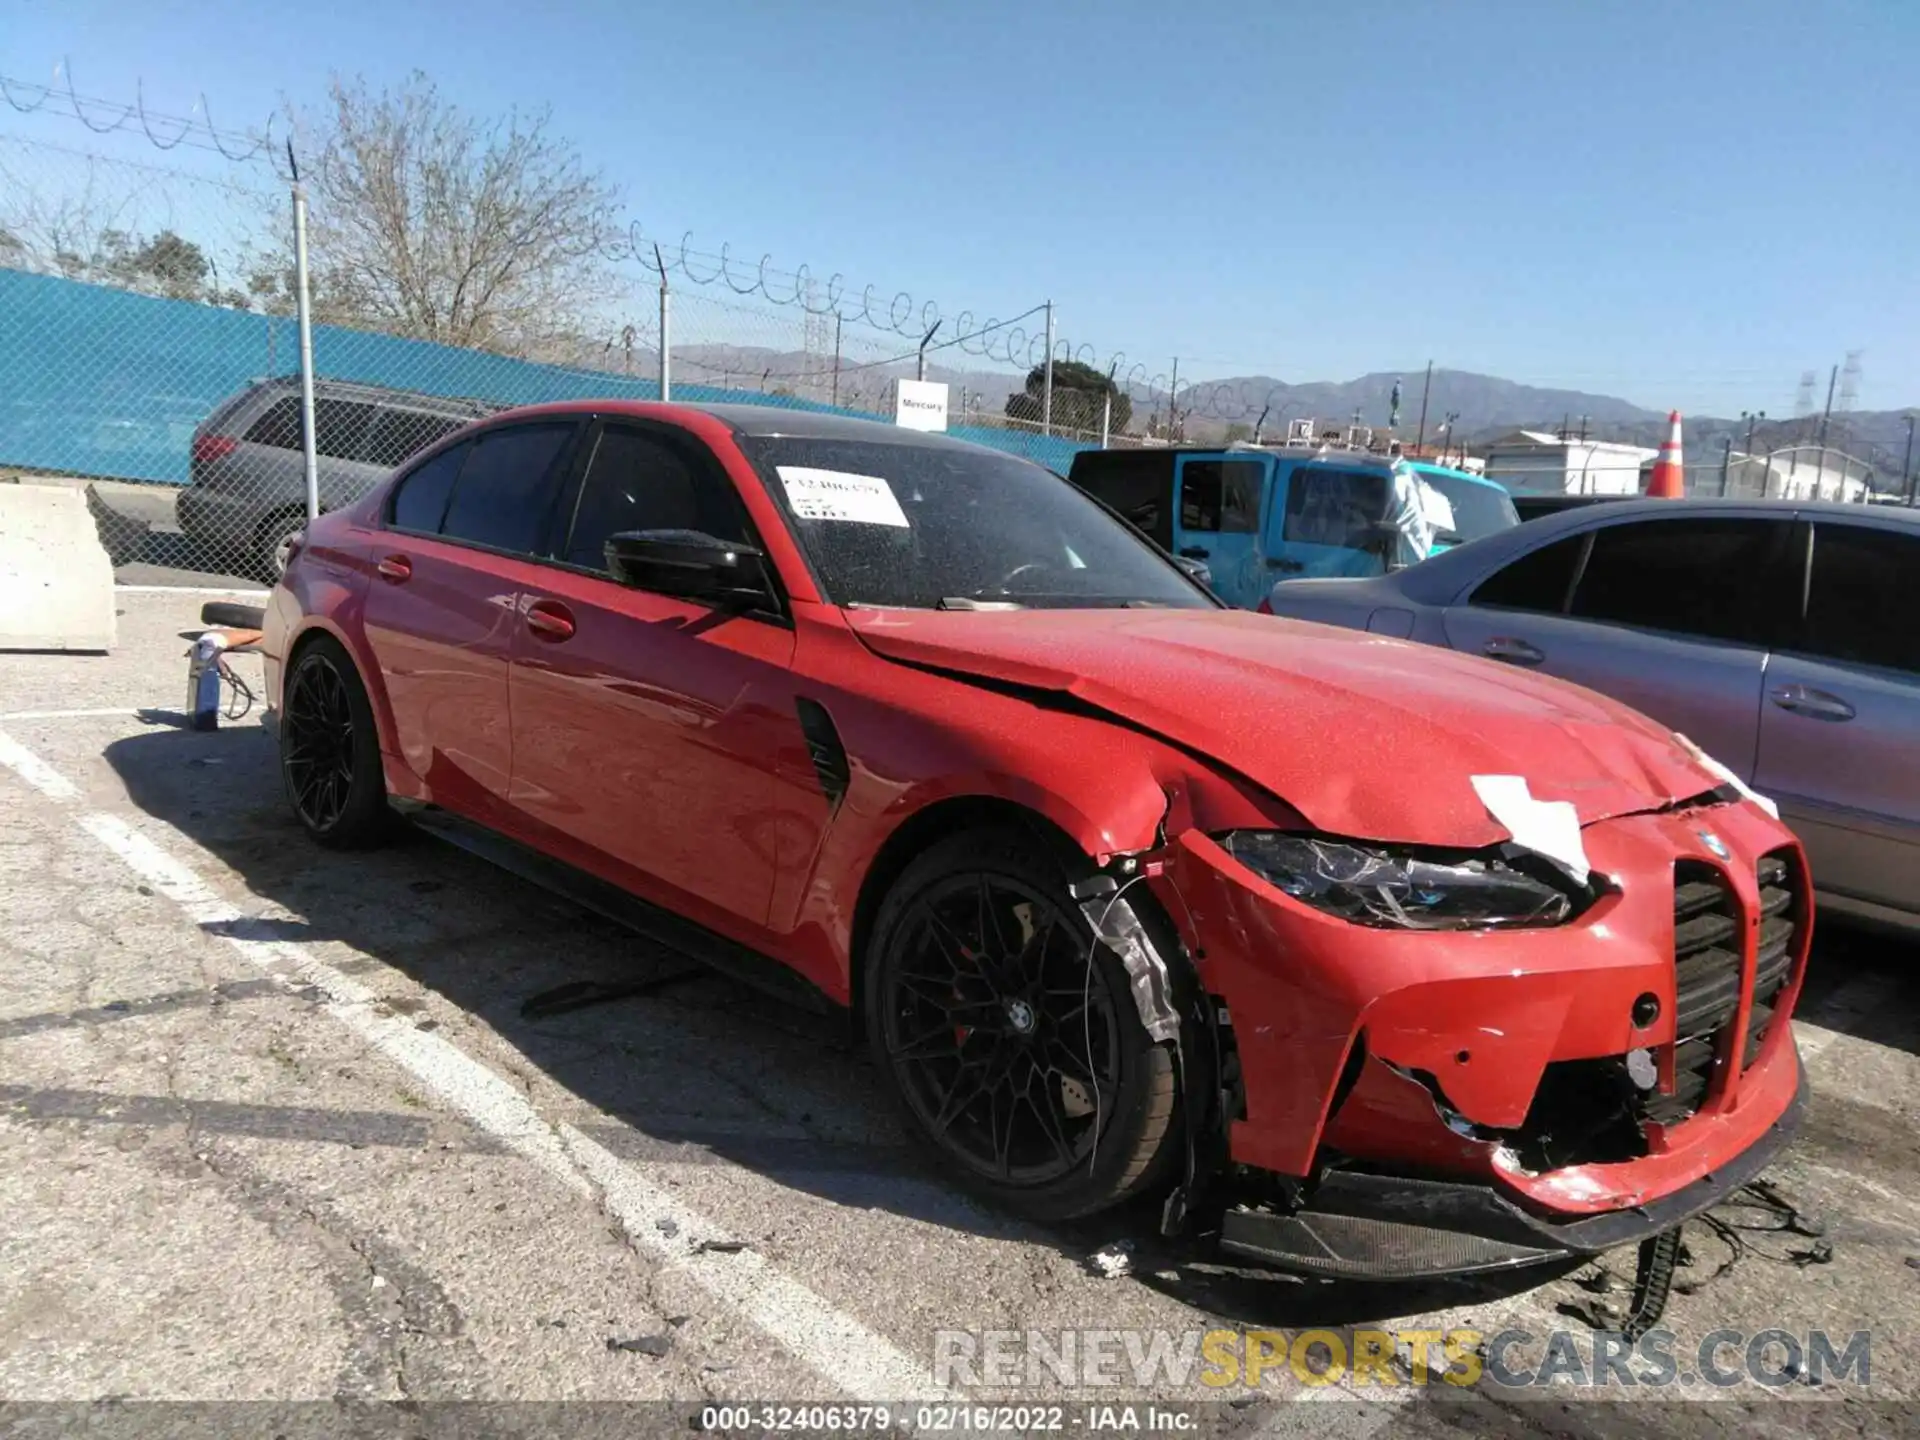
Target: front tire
[
  {"x": 330, "y": 750},
  {"x": 1010, "y": 1037}
]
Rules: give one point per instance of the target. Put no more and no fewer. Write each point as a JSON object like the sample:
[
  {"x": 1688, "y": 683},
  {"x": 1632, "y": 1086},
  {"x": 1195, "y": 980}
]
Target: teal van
[{"x": 1255, "y": 515}]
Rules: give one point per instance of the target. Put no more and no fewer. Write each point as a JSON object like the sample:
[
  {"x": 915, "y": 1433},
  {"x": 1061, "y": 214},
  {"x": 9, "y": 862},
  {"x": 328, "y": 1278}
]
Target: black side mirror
[{"x": 690, "y": 564}]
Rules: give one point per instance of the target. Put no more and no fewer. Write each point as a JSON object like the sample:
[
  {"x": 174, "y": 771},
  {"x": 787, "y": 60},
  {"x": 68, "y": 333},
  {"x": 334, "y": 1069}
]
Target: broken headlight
[{"x": 1397, "y": 889}]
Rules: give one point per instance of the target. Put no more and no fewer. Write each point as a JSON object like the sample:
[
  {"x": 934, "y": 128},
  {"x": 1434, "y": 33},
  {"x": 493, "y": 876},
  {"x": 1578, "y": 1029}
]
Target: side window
[
  {"x": 640, "y": 481},
  {"x": 1537, "y": 581},
  {"x": 1864, "y": 596},
  {"x": 420, "y": 499},
  {"x": 1137, "y": 487},
  {"x": 1342, "y": 508},
  {"x": 1221, "y": 495},
  {"x": 506, "y": 488},
  {"x": 338, "y": 426},
  {"x": 279, "y": 426},
  {"x": 1728, "y": 579},
  {"x": 398, "y": 435}
]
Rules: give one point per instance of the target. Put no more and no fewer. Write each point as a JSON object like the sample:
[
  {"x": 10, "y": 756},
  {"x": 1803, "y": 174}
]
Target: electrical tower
[
  {"x": 1849, "y": 382},
  {"x": 1803, "y": 401},
  {"x": 816, "y": 341}
]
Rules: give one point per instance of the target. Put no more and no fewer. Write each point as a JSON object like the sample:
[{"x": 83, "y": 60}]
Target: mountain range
[{"x": 1487, "y": 405}]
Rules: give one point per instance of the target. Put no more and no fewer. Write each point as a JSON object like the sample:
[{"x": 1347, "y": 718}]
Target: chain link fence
[
  {"x": 149, "y": 334},
  {"x": 149, "y": 338}
]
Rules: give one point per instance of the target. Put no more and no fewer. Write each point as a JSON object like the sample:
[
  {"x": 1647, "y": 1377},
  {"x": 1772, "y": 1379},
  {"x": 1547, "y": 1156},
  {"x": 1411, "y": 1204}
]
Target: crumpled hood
[{"x": 1365, "y": 736}]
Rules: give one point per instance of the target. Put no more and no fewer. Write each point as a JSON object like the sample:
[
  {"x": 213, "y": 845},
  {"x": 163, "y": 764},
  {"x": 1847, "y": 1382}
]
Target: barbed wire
[{"x": 195, "y": 132}]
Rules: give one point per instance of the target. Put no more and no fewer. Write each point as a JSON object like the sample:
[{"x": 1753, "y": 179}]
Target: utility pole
[
  {"x": 1419, "y": 445},
  {"x": 666, "y": 331},
  {"x": 1906, "y": 465},
  {"x": 1726, "y": 462},
  {"x": 1833, "y": 377},
  {"x": 1173, "y": 388},
  {"x": 836, "y": 359},
  {"x": 1046, "y": 383}
]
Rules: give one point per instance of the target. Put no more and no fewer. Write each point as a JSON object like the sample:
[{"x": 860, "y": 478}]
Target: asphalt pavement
[{"x": 284, "y": 1125}]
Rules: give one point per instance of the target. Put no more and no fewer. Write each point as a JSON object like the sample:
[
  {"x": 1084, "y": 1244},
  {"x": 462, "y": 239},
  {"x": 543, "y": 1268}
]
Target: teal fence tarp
[{"x": 108, "y": 383}]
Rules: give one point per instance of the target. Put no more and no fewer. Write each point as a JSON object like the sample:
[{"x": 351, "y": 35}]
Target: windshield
[
  {"x": 1477, "y": 509},
  {"x": 935, "y": 525}
]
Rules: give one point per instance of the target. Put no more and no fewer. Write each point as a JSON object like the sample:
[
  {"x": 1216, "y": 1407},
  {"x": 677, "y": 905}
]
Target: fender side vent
[{"x": 829, "y": 756}]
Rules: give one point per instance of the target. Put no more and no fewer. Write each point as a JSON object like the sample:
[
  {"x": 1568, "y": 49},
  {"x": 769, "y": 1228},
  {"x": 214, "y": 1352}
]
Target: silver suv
[
  {"x": 1783, "y": 639},
  {"x": 248, "y": 493}
]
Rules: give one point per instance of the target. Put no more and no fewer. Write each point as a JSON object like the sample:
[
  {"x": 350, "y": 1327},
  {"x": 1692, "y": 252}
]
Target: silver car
[
  {"x": 248, "y": 494},
  {"x": 1783, "y": 639}
]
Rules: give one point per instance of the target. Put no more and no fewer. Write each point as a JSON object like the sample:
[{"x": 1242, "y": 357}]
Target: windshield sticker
[{"x": 841, "y": 495}]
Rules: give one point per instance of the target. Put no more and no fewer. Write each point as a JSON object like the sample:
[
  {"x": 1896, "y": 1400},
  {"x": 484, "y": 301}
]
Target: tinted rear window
[
  {"x": 1537, "y": 581},
  {"x": 1720, "y": 579},
  {"x": 506, "y": 488},
  {"x": 398, "y": 435},
  {"x": 420, "y": 499},
  {"x": 1863, "y": 604},
  {"x": 338, "y": 426}
]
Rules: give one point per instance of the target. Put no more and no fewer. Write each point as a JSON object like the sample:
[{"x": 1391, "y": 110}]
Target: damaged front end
[{"x": 1422, "y": 1062}]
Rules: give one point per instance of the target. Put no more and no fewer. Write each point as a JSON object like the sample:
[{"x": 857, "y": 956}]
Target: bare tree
[{"x": 429, "y": 223}]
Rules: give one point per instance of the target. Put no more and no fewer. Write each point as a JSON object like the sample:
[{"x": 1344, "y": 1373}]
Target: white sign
[
  {"x": 920, "y": 404},
  {"x": 841, "y": 495}
]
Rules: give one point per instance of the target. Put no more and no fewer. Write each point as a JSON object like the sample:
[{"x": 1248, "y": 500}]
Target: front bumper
[
  {"x": 1365, "y": 1226},
  {"x": 1386, "y": 1116}
]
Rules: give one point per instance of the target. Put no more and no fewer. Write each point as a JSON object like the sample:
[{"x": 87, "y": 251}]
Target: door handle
[
  {"x": 395, "y": 569},
  {"x": 1815, "y": 704},
  {"x": 1274, "y": 562},
  {"x": 1513, "y": 651},
  {"x": 1194, "y": 552},
  {"x": 550, "y": 620}
]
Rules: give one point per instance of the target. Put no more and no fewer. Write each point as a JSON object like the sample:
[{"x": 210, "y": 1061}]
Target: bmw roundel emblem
[{"x": 1715, "y": 844}]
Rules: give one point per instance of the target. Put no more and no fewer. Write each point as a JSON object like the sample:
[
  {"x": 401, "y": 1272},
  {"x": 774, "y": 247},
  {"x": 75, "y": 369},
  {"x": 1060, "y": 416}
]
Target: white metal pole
[
  {"x": 666, "y": 340},
  {"x": 1046, "y": 387},
  {"x": 304, "y": 301},
  {"x": 1106, "y": 418}
]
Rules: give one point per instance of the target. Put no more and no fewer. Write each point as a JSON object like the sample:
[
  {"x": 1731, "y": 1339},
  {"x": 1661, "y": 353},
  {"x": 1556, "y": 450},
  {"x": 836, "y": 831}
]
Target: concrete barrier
[{"x": 56, "y": 582}]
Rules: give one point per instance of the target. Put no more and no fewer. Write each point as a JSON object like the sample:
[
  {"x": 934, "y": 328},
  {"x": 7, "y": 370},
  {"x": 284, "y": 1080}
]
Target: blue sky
[{"x": 1684, "y": 204}]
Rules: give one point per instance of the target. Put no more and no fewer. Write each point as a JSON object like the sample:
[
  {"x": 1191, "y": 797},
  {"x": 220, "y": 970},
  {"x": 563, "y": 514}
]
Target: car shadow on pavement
[{"x": 678, "y": 1065}]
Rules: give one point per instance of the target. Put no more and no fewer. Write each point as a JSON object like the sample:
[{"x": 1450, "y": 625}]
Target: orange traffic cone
[{"x": 1669, "y": 481}]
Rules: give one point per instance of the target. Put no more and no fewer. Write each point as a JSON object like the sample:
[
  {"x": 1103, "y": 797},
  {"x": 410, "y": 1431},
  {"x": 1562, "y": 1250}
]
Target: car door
[
  {"x": 1840, "y": 727},
  {"x": 1674, "y": 615},
  {"x": 646, "y": 726},
  {"x": 1217, "y": 501},
  {"x": 442, "y": 608}
]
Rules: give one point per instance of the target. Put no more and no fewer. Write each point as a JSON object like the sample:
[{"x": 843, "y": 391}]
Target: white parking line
[
  {"x": 232, "y": 592},
  {"x": 35, "y": 771},
  {"x": 853, "y": 1357},
  {"x": 124, "y": 711}
]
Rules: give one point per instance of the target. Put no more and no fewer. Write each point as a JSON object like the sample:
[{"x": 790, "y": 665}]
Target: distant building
[
  {"x": 1805, "y": 472},
  {"x": 1539, "y": 460}
]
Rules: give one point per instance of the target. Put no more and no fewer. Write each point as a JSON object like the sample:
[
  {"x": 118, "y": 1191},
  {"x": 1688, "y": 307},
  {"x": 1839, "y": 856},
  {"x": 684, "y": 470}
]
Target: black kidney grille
[
  {"x": 1706, "y": 985},
  {"x": 1780, "y": 910}
]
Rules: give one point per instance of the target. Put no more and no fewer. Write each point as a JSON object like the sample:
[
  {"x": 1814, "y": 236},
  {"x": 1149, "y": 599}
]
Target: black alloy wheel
[
  {"x": 329, "y": 750},
  {"x": 1011, "y": 1037}
]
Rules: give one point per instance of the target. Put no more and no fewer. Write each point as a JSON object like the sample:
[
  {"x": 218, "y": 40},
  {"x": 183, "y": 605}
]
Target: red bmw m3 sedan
[{"x": 1373, "y": 959}]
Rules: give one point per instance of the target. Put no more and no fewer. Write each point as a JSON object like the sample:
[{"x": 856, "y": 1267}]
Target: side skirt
[{"x": 623, "y": 908}]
